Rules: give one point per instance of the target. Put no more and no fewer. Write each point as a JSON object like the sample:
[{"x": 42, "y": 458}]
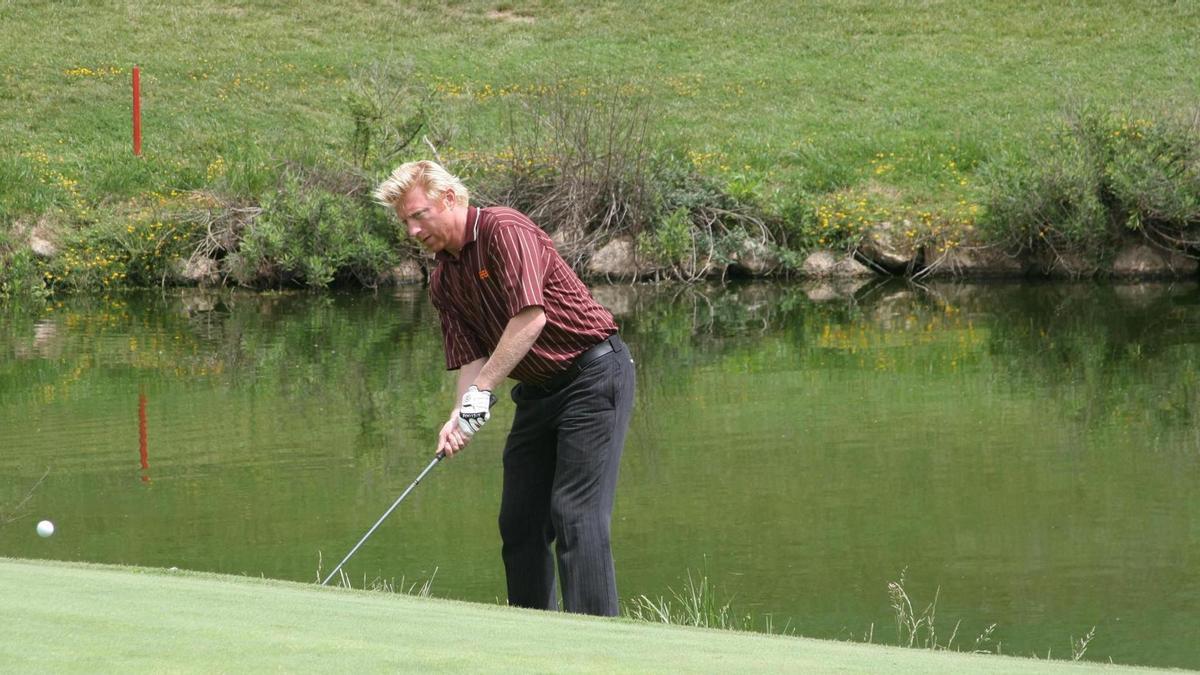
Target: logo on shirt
[{"x": 483, "y": 273}]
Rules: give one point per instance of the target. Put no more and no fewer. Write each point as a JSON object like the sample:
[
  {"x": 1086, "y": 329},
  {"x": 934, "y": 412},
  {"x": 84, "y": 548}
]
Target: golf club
[{"x": 439, "y": 457}]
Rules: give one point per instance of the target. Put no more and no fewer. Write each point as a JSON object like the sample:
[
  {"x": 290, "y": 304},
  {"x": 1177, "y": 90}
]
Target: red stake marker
[{"x": 137, "y": 112}]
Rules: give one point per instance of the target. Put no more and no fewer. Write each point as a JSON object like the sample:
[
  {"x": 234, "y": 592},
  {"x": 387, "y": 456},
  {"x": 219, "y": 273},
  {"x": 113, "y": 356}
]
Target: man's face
[{"x": 429, "y": 222}]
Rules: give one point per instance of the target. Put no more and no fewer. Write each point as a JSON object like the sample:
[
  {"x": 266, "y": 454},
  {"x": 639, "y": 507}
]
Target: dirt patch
[
  {"x": 880, "y": 191},
  {"x": 509, "y": 16}
]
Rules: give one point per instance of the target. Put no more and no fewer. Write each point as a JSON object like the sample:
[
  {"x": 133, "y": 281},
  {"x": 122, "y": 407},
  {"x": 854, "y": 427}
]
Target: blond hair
[{"x": 430, "y": 176}]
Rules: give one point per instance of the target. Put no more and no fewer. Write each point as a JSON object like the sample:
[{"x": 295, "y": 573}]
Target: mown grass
[
  {"x": 885, "y": 107},
  {"x": 67, "y": 618}
]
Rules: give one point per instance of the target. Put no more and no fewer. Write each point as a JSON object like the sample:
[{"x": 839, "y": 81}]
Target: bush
[
  {"x": 699, "y": 221},
  {"x": 671, "y": 241},
  {"x": 677, "y": 184},
  {"x": 20, "y": 273},
  {"x": 1154, "y": 175},
  {"x": 1050, "y": 201},
  {"x": 311, "y": 235},
  {"x": 1096, "y": 176}
]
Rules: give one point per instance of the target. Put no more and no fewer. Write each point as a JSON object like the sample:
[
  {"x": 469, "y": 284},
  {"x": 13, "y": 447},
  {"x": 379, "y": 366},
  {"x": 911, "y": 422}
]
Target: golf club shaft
[{"x": 382, "y": 518}]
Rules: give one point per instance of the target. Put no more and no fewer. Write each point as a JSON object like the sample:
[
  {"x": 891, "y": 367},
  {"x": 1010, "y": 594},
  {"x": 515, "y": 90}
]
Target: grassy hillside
[
  {"x": 66, "y": 618},
  {"x": 885, "y": 107},
  {"x": 794, "y": 91}
]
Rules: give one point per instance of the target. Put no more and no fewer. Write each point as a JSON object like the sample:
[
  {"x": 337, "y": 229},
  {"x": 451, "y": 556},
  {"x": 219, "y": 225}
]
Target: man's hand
[
  {"x": 450, "y": 439},
  {"x": 475, "y": 410}
]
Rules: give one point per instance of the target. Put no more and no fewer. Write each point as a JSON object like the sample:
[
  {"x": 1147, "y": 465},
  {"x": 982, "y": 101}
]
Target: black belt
[{"x": 606, "y": 346}]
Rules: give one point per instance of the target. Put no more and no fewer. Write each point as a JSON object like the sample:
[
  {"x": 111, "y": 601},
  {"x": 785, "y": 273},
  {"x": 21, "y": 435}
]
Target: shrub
[
  {"x": 1096, "y": 176},
  {"x": 309, "y": 234},
  {"x": 20, "y": 273},
  {"x": 698, "y": 220},
  {"x": 671, "y": 240},
  {"x": 1153, "y": 173},
  {"x": 679, "y": 185},
  {"x": 1052, "y": 202}
]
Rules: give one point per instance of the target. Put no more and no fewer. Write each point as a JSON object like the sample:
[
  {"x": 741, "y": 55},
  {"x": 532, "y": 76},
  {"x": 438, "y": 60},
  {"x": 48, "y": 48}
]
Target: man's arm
[
  {"x": 516, "y": 341},
  {"x": 466, "y": 377}
]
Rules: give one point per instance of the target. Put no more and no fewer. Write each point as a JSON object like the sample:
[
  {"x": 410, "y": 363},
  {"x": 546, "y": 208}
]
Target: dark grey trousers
[{"x": 560, "y": 476}]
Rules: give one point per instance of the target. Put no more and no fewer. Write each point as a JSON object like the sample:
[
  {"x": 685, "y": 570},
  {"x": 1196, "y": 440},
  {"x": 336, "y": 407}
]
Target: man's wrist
[{"x": 491, "y": 395}]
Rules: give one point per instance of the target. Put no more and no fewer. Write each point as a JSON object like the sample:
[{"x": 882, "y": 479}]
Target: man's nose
[{"x": 412, "y": 228}]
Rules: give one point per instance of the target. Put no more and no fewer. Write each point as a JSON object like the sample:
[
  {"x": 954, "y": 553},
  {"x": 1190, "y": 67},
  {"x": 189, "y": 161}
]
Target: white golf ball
[{"x": 45, "y": 529}]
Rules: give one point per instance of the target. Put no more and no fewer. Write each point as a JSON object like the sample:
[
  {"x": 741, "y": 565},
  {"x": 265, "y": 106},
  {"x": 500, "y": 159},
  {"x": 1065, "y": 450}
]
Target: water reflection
[
  {"x": 1017, "y": 445},
  {"x": 143, "y": 442}
]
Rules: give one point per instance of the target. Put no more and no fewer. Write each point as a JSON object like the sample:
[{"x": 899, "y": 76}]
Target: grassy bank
[
  {"x": 67, "y": 617},
  {"x": 817, "y": 120}
]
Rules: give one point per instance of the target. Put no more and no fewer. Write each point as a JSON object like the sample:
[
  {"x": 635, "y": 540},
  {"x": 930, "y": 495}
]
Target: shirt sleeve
[
  {"x": 518, "y": 256},
  {"x": 459, "y": 343}
]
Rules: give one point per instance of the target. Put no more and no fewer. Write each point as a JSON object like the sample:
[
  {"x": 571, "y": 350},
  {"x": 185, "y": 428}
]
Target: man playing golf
[{"x": 511, "y": 306}]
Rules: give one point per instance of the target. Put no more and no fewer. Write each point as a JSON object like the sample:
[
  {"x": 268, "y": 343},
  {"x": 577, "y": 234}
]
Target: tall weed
[
  {"x": 577, "y": 161},
  {"x": 390, "y": 111}
]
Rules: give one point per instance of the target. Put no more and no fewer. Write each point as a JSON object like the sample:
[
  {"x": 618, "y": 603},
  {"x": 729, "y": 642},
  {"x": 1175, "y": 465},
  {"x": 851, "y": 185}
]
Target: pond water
[{"x": 1027, "y": 454}]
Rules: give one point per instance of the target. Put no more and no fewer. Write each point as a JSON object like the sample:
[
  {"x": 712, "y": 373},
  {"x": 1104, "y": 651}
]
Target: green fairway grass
[{"x": 89, "y": 618}]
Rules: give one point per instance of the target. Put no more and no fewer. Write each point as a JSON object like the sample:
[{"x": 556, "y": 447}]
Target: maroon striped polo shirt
[{"x": 507, "y": 264}]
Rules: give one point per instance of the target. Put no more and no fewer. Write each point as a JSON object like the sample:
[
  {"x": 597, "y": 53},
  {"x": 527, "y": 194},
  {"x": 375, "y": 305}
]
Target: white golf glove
[{"x": 475, "y": 410}]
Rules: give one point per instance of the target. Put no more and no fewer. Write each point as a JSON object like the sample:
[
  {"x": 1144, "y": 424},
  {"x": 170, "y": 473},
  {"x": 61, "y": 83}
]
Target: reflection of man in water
[
  {"x": 45, "y": 343},
  {"x": 510, "y": 306}
]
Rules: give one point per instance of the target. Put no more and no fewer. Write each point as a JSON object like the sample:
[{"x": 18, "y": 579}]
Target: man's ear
[{"x": 449, "y": 199}]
